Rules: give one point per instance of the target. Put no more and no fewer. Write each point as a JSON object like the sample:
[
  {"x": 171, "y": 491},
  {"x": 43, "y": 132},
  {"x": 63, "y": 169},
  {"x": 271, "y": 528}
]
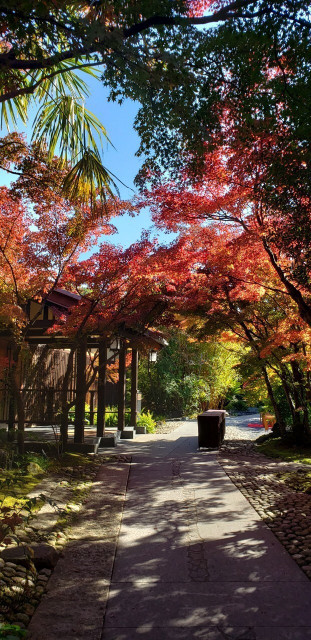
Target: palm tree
[{"x": 64, "y": 127}]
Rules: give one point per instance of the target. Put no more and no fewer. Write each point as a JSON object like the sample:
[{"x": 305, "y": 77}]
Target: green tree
[{"x": 189, "y": 376}]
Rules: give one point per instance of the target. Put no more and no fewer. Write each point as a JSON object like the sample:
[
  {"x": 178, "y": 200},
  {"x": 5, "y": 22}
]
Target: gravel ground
[{"x": 237, "y": 427}]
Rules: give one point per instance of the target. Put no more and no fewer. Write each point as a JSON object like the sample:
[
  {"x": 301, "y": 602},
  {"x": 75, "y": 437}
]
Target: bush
[
  {"x": 7, "y": 454},
  {"x": 146, "y": 419},
  {"x": 72, "y": 414},
  {"x": 111, "y": 416},
  {"x": 12, "y": 631},
  {"x": 264, "y": 437}
]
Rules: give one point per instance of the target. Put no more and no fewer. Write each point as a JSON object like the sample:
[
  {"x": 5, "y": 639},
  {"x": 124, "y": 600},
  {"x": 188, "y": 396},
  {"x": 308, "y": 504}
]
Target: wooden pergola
[{"x": 128, "y": 338}]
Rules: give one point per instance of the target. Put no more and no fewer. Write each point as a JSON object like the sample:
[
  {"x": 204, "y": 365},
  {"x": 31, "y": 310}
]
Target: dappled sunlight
[
  {"x": 192, "y": 553},
  {"x": 251, "y": 547},
  {"x": 192, "y": 559}
]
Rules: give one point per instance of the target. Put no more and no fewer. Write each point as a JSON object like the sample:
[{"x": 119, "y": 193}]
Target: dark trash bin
[{"x": 211, "y": 429}]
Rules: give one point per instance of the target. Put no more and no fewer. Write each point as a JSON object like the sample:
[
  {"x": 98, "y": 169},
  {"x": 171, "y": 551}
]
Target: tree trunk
[
  {"x": 18, "y": 398},
  {"x": 304, "y": 308},
  {"x": 12, "y": 411},
  {"x": 274, "y": 403},
  {"x": 301, "y": 429},
  {"x": 20, "y": 422},
  {"x": 287, "y": 391}
]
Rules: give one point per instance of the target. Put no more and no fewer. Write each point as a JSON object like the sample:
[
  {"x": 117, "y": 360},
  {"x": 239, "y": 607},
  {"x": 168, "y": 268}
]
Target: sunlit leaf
[{"x": 88, "y": 179}]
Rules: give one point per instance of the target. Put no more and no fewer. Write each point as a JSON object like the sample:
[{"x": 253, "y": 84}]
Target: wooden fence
[{"x": 42, "y": 406}]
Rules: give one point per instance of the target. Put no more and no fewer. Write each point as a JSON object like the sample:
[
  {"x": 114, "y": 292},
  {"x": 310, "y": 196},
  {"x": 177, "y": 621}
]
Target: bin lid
[{"x": 213, "y": 412}]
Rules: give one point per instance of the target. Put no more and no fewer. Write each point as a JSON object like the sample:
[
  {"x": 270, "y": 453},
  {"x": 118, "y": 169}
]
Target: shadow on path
[{"x": 193, "y": 559}]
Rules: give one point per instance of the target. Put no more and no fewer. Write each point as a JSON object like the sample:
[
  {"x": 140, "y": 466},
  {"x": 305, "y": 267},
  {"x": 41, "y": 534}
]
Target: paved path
[
  {"x": 194, "y": 560},
  {"x": 75, "y": 603}
]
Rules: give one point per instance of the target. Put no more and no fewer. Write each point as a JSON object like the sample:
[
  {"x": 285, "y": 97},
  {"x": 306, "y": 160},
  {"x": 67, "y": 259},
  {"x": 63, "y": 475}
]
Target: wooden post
[
  {"x": 80, "y": 392},
  {"x": 134, "y": 386},
  {"x": 92, "y": 392},
  {"x": 64, "y": 399},
  {"x": 101, "y": 397},
  {"x": 122, "y": 386}
]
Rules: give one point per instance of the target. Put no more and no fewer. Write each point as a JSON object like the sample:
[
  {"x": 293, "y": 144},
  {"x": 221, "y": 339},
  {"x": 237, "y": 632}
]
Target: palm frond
[
  {"x": 12, "y": 110},
  {"x": 62, "y": 79},
  {"x": 67, "y": 128},
  {"x": 89, "y": 179},
  {"x": 64, "y": 127}
]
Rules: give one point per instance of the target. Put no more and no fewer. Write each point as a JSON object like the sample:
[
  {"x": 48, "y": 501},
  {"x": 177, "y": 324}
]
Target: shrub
[
  {"x": 111, "y": 416},
  {"x": 146, "y": 419},
  {"x": 12, "y": 631},
  {"x": 72, "y": 414}
]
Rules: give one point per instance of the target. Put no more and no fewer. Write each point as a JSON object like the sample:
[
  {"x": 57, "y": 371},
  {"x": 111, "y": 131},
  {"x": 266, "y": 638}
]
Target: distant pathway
[{"x": 236, "y": 426}]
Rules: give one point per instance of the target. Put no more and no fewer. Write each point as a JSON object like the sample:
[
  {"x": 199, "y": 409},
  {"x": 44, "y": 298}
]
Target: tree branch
[
  {"x": 232, "y": 10},
  {"x": 16, "y": 173},
  {"x": 9, "y": 60}
]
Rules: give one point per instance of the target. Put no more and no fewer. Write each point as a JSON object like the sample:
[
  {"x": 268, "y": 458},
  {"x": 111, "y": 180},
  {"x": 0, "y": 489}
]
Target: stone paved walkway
[{"x": 194, "y": 560}]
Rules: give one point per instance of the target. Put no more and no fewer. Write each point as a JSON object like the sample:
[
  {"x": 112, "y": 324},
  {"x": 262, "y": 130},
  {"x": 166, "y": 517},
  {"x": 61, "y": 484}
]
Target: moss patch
[
  {"x": 299, "y": 481},
  {"x": 14, "y": 487},
  {"x": 275, "y": 448},
  {"x": 17, "y": 483}
]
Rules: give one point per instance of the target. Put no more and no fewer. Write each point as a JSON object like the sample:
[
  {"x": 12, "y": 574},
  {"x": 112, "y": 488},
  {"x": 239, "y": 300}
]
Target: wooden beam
[{"x": 134, "y": 386}]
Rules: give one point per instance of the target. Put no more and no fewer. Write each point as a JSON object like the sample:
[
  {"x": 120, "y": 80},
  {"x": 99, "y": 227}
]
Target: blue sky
[{"x": 120, "y": 159}]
